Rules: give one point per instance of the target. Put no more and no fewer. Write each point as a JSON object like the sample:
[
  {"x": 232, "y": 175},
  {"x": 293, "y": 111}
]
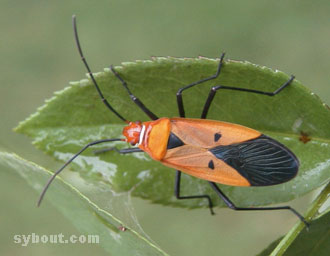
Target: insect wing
[
  {"x": 262, "y": 161},
  {"x": 201, "y": 163}
]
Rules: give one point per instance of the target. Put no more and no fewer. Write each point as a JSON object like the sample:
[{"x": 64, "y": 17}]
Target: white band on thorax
[{"x": 142, "y": 134}]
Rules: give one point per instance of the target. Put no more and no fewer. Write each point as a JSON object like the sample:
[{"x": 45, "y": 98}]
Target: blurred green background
[{"x": 38, "y": 56}]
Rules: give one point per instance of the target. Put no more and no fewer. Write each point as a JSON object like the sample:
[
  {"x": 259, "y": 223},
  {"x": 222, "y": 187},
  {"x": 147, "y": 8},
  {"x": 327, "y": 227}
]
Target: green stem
[{"x": 295, "y": 231}]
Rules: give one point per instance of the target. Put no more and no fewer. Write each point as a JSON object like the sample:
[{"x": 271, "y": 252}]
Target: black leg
[
  {"x": 120, "y": 151},
  {"x": 215, "y": 88},
  {"x": 179, "y": 93},
  {"x": 133, "y": 98},
  {"x": 182, "y": 114},
  {"x": 177, "y": 192},
  {"x": 232, "y": 206}
]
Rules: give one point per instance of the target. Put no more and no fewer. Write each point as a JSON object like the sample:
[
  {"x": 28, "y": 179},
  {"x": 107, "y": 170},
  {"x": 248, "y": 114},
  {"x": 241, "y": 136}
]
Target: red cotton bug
[{"x": 215, "y": 151}]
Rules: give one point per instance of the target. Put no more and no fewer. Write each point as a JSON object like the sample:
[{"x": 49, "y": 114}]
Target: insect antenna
[
  {"x": 68, "y": 162},
  {"x": 106, "y": 103}
]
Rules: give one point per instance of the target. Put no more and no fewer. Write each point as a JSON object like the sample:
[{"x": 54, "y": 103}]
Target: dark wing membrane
[{"x": 262, "y": 161}]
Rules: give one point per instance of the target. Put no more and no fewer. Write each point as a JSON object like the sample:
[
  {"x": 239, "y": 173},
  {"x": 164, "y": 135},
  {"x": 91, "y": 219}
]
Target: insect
[{"x": 215, "y": 151}]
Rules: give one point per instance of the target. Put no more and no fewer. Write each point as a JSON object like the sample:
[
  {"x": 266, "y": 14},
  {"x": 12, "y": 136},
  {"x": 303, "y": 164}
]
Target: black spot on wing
[
  {"x": 211, "y": 165},
  {"x": 174, "y": 141},
  {"x": 262, "y": 161},
  {"x": 217, "y": 136}
]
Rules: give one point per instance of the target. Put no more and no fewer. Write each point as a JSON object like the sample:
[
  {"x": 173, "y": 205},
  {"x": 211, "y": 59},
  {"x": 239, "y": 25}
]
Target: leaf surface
[
  {"x": 76, "y": 116},
  {"x": 83, "y": 212}
]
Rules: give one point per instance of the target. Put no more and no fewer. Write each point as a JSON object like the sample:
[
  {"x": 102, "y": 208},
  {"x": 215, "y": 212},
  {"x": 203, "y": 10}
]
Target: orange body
[{"x": 198, "y": 136}]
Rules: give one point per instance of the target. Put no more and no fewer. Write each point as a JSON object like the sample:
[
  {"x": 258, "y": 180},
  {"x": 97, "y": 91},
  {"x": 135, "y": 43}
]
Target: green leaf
[
  {"x": 84, "y": 213},
  {"x": 76, "y": 116},
  {"x": 302, "y": 241},
  {"x": 316, "y": 241}
]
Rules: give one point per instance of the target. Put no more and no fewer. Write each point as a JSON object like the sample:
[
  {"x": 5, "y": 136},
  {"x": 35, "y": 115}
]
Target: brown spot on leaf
[
  {"x": 304, "y": 137},
  {"x": 122, "y": 228}
]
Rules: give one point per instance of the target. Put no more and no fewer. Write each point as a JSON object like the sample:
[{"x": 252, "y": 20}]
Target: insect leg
[
  {"x": 68, "y": 162},
  {"x": 232, "y": 206},
  {"x": 177, "y": 192},
  {"x": 120, "y": 151},
  {"x": 133, "y": 97},
  {"x": 215, "y": 88},
  {"x": 182, "y": 114},
  {"x": 179, "y": 93}
]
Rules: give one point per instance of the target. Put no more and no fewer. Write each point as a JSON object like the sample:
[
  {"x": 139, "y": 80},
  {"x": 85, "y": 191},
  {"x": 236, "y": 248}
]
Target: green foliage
[
  {"x": 83, "y": 213},
  {"x": 316, "y": 241},
  {"x": 76, "y": 116},
  {"x": 302, "y": 241}
]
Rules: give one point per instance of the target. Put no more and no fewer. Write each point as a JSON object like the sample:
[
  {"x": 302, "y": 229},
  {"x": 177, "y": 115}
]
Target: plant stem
[{"x": 310, "y": 215}]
